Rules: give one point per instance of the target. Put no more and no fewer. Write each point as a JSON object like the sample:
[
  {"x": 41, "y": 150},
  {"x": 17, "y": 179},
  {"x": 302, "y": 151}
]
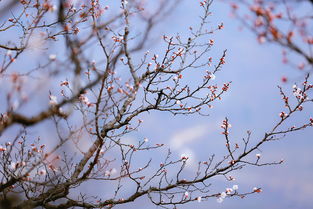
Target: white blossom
[
  {"x": 235, "y": 187},
  {"x": 52, "y": 57},
  {"x": 184, "y": 157},
  {"x": 223, "y": 195},
  {"x": 229, "y": 190},
  {"x": 53, "y": 100},
  {"x": 212, "y": 76},
  {"x": 107, "y": 173},
  {"x": 13, "y": 165},
  {"x": 186, "y": 194},
  {"x": 9, "y": 53},
  {"x": 220, "y": 200},
  {"x": 53, "y": 8},
  {"x": 113, "y": 171}
]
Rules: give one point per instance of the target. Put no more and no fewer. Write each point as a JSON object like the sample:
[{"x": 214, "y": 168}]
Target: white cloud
[
  {"x": 187, "y": 136},
  {"x": 181, "y": 141}
]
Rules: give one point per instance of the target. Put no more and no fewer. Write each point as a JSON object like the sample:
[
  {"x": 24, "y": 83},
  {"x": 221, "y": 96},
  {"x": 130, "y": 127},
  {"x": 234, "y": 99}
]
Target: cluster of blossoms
[
  {"x": 84, "y": 99},
  {"x": 228, "y": 191},
  {"x": 283, "y": 115},
  {"x": 225, "y": 126},
  {"x": 3, "y": 149},
  {"x": 110, "y": 172},
  {"x": 268, "y": 20},
  {"x": 16, "y": 165},
  {"x": 118, "y": 39},
  {"x": 225, "y": 86},
  {"x": 179, "y": 52},
  {"x": 209, "y": 75},
  {"x": 203, "y": 3},
  {"x": 49, "y": 7},
  {"x": 297, "y": 92}
]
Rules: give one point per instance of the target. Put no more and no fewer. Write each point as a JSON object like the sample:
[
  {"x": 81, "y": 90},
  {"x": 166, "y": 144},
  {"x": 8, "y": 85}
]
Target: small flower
[
  {"x": 257, "y": 190},
  {"x": 42, "y": 172},
  {"x": 212, "y": 76},
  {"x": 229, "y": 190},
  {"x": 64, "y": 83},
  {"x": 113, "y": 171},
  {"x": 186, "y": 194},
  {"x": 53, "y": 8},
  {"x": 52, "y": 168},
  {"x": 220, "y": 200},
  {"x": 107, "y": 173},
  {"x": 9, "y": 53},
  {"x": 220, "y": 26},
  {"x": 283, "y": 115},
  {"x": 52, "y": 57},
  {"x": 223, "y": 195},
  {"x": 2, "y": 149},
  {"x": 297, "y": 92},
  {"x": 235, "y": 187},
  {"x": 119, "y": 90},
  {"x": 13, "y": 165},
  {"x": 258, "y": 155},
  {"x": 53, "y": 100},
  {"x": 261, "y": 39},
  {"x": 145, "y": 139},
  {"x": 110, "y": 88},
  {"x": 184, "y": 157},
  {"x": 284, "y": 79},
  {"x": 199, "y": 199},
  {"x": 84, "y": 99},
  {"x": 178, "y": 102}
]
